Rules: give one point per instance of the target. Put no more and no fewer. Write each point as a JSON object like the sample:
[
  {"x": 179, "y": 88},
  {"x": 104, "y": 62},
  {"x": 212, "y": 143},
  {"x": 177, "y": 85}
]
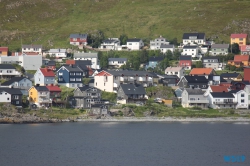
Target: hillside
[{"x": 49, "y": 22}]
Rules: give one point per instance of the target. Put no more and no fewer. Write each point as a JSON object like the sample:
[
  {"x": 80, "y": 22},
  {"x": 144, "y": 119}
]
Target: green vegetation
[
  {"x": 164, "y": 92},
  {"x": 31, "y": 71},
  {"x": 53, "y": 21},
  {"x": 66, "y": 92},
  {"x": 108, "y": 96},
  {"x": 85, "y": 81}
]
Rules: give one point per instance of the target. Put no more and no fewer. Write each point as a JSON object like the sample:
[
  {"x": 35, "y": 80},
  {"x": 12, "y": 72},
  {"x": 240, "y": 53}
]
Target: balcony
[
  {"x": 198, "y": 101},
  {"x": 45, "y": 101},
  {"x": 225, "y": 102},
  {"x": 42, "y": 94}
]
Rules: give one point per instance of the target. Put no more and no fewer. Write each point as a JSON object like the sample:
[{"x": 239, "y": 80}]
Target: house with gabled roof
[
  {"x": 241, "y": 97},
  {"x": 191, "y": 51},
  {"x": 193, "y": 82},
  {"x": 4, "y": 51},
  {"x": 212, "y": 62},
  {"x": 247, "y": 90},
  {"x": 202, "y": 72},
  {"x": 8, "y": 71},
  {"x": 58, "y": 53},
  {"x": 12, "y": 96},
  {"x": 131, "y": 93},
  {"x": 32, "y": 48},
  {"x": 219, "y": 49},
  {"x": 222, "y": 100},
  {"x": 117, "y": 62},
  {"x": 18, "y": 82},
  {"x": 165, "y": 48},
  {"x": 247, "y": 74},
  {"x": 241, "y": 39},
  {"x": 55, "y": 91},
  {"x": 70, "y": 76},
  {"x": 156, "y": 43},
  {"x": 178, "y": 71},
  {"x": 93, "y": 57},
  {"x": 135, "y": 44},
  {"x": 239, "y": 61},
  {"x": 40, "y": 96},
  {"x": 232, "y": 76},
  {"x": 44, "y": 76},
  {"x": 216, "y": 88},
  {"x": 169, "y": 80},
  {"x": 186, "y": 62},
  {"x": 78, "y": 39},
  {"x": 110, "y": 44},
  {"x": 245, "y": 49},
  {"x": 194, "y": 97},
  {"x": 154, "y": 61},
  {"x": 193, "y": 39}
]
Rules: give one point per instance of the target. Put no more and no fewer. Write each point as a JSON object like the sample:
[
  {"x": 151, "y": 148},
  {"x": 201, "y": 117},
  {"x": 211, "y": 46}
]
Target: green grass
[{"x": 50, "y": 22}]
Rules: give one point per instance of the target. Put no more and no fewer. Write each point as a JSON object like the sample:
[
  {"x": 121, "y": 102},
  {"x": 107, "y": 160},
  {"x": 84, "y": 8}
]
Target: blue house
[
  {"x": 153, "y": 61},
  {"x": 70, "y": 76}
]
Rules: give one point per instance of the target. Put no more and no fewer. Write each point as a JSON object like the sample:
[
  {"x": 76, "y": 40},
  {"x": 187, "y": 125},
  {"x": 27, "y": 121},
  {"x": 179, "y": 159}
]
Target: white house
[
  {"x": 241, "y": 97},
  {"x": 58, "y": 53},
  {"x": 134, "y": 44},
  {"x": 220, "y": 100},
  {"x": 178, "y": 71},
  {"x": 8, "y": 71},
  {"x": 193, "y": 39},
  {"x": 32, "y": 48},
  {"x": 191, "y": 50},
  {"x": 164, "y": 48},
  {"x": 93, "y": 57},
  {"x": 110, "y": 44},
  {"x": 247, "y": 90},
  {"x": 117, "y": 62},
  {"x": 18, "y": 82},
  {"x": 156, "y": 43}
]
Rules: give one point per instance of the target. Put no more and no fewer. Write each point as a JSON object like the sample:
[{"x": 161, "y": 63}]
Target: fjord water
[{"x": 123, "y": 144}]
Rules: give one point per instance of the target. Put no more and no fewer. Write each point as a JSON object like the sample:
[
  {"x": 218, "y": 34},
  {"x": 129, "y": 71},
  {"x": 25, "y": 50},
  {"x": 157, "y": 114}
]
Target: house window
[
  {"x": 16, "y": 97},
  {"x": 72, "y": 79},
  {"x": 242, "y": 95},
  {"x": 72, "y": 74},
  {"x": 242, "y": 101},
  {"x": 60, "y": 74},
  {"x": 74, "y": 39},
  {"x": 104, "y": 84},
  {"x": 96, "y": 84},
  {"x": 17, "y": 102},
  {"x": 8, "y": 98},
  {"x": 192, "y": 99},
  {"x": 30, "y": 93}
]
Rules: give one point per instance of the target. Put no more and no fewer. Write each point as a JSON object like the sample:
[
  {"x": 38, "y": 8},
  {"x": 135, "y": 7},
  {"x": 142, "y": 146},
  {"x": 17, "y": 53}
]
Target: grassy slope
[{"x": 49, "y": 22}]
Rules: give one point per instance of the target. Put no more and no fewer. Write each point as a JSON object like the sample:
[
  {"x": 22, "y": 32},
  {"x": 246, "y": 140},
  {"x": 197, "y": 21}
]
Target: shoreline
[{"x": 11, "y": 120}]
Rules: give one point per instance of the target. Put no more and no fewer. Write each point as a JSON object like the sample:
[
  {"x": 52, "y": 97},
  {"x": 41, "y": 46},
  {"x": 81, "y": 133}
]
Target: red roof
[
  {"x": 201, "y": 71},
  {"x": 240, "y": 58},
  {"x": 242, "y": 35},
  {"x": 47, "y": 72},
  {"x": 103, "y": 73},
  {"x": 70, "y": 62},
  {"x": 245, "y": 48},
  {"x": 54, "y": 88},
  {"x": 219, "y": 88},
  {"x": 5, "y": 49}
]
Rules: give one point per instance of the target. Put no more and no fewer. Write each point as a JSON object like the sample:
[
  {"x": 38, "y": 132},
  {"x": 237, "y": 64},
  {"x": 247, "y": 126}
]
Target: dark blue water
[{"x": 123, "y": 144}]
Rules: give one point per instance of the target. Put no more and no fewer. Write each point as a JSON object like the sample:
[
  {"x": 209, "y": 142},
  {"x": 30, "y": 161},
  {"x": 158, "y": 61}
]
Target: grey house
[
  {"x": 85, "y": 96},
  {"x": 131, "y": 93},
  {"x": 169, "y": 80},
  {"x": 193, "y": 82},
  {"x": 99, "y": 109},
  {"x": 192, "y": 97},
  {"x": 18, "y": 82},
  {"x": 212, "y": 62},
  {"x": 219, "y": 49}
]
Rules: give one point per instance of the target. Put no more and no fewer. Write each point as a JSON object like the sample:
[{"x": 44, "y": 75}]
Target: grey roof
[
  {"x": 156, "y": 58},
  {"x": 190, "y": 47},
  {"x": 117, "y": 59},
  {"x": 6, "y": 66},
  {"x": 84, "y": 88},
  {"x": 196, "y": 79},
  {"x": 83, "y": 62},
  {"x": 210, "y": 57},
  {"x": 166, "y": 46},
  {"x": 195, "y": 91},
  {"x": 13, "y": 79},
  {"x": 78, "y": 35},
  {"x": 225, "y": 46},
  {"x": 130, "y": 89},
  {"x": 32, "y": 46},
  {"x": 131, "y": 73},
  {"x": 51, "y": 63},
  {"x": 222, "y": 94},
  {"x": 41, "y": 88},
  {"x": 12, "y": 91},
  {"x": 85, "y": 55},
  {"x": 198, "y": 35},
  {"x": 186, "y": 57},
  {"x": 57, "y": 50},
  {"x": 72, "y": 68},
  {"x": 110, "y": 41},
  {"x": 134, "y": 40},
  {"x": 232, "y": 75},
  {"x": 170, "y": 77}
]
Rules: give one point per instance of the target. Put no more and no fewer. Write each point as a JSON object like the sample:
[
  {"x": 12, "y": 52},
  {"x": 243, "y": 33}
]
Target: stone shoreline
[{"x": 34, "y": 119}]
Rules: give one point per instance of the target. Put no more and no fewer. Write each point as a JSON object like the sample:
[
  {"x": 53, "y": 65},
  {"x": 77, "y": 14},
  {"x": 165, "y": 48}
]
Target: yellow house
[
  {"x": 4, "y": 51},
  {"x": 240, "y": 60},
  {"x": 241, "y": 39},
  {"x": 40, "y": 96}
]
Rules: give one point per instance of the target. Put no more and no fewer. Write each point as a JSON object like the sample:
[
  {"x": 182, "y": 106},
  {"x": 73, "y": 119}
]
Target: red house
[
  {"x": 247, "y": 74},
  {"x": 55, "y": 91},
  {"x": 4, "y": 51},
  {"x": 186, "y": 62},
  {"x": 78, "y": 39}
]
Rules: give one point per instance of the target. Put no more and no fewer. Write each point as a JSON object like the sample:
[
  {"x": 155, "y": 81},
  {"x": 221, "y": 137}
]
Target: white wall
[
  {"x": 104, "y": 85},
  {"x": 4, "y": 96}
]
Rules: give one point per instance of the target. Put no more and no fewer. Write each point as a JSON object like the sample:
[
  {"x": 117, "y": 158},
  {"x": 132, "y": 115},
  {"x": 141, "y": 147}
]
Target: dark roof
[
  {"x": 195, "y": 91},
  {"x": 133, "y": 89},
  {"x": 210, "y": 78},
  {"x": 13, "y": 79},
  {"x": 83, "y": 88},
  {"x": 6, "y": 66},
  {"x": 131, "y": 73},
  {"x": 190, "y": 47},
  {"x": 222, "y": 94},
  {"x": 12, "y": 91},
  {"x": 210, "y": 57},
  {"x": 72, "y": 68},
  {"x": 232, "y": 75},
  {"x": 226, "y": 46},
  {"x": 134, "y": 40},
  {"x": 83, "y": 62},
  {"x": 169, "y": 77},
  {"x": 156, "y": 58},
  {"x": 166, "y": 46},
  {"x": 242, "y": 82},
  {"x": 117, "y": 59},
  {"x": 31, "y": 46},
  {"x": 78, "y": 35},
  {"x": 196, "y": 79},
  {"x": 186, "y": 57},
  {"x": 198, "y": 35},
  {"x": 234, "y": 91},
  {"x": 51, "y": 63},
  {"x": 41, "y": 88}
]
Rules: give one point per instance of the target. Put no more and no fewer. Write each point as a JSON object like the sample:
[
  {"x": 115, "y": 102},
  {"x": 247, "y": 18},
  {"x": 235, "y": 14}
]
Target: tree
[
  {"x": 143, "y": 56},
  {"x": 234, "y": 48},
  {"x": 104, "y": 61},
  {"x": 198, "y": 64},
  {"x": 123, "y": 39},
  {"x": 174, "y": 41},
  {"x": 176, "y": 54},
  {"x": 169, "y": 55},
  {"x": 95, "y": 38}
]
